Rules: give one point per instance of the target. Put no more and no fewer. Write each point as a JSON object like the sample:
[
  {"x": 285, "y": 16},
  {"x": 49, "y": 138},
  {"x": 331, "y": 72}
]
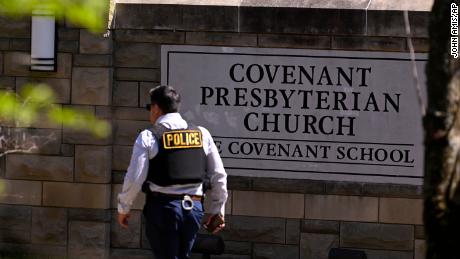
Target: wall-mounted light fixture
[{"x": 43, "y": 42}]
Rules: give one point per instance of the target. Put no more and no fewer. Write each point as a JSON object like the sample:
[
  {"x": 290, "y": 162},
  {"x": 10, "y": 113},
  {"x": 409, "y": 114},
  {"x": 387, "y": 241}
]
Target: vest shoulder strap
[{"x": 158, "y": 130}]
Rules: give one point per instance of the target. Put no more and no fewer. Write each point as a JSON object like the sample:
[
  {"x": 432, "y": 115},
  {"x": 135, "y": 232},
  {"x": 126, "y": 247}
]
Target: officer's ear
[
  {"x": 155, "y": 112},
  {"x": 156, "y": 109}
]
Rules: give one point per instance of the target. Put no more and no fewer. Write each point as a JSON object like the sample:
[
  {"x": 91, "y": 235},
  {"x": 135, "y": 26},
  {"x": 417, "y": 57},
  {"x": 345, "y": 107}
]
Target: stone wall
[{"x": 61, "y": 199}]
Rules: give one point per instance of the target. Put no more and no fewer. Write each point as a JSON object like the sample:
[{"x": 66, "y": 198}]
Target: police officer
[{"x": 169, "y": 163}]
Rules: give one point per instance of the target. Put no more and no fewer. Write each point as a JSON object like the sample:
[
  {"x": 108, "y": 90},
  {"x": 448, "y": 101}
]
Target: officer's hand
[
  {"x": 214, "y": 223},
  {"x": 123, "y": 219}
]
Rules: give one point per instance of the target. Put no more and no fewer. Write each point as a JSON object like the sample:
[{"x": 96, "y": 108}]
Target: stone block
[
  {"x": 210, "y": 18},
  {"x": 385, "y": 23},
  {"x": 130, "y": 253},
  {"x": 221, "y": 39},
  {"x": 21, "y": 192},
  {"x": 93, "y": 164},
  {"x": 344, "y": 188},
  {"x": 94, "y": 43},
  {"x": 20, "y": 44},
  {"x": 121, "y": 157},
  {"x": 138, "y": 203},
  {"x": 88, "y": 239},
  {"x": 292, "y": 231},
  {"x": 137, "y": 74},
  {"x": 377, "y": 236},
  {"x": 226, "y": 256},
  {"x": 11, "y": 250},
  {"x": 37, "y": 167},
  {"x": 126, "y": 238},
  {"x": 68, "y": 33},
  {"x": 350, "y": 22},
  {"x": 289, "y": 20},
  {"x": 157, "y": 17},
  {"x": 92, "y": 60},
  {"x": 271, "y": 251},
  {"x": 1, "y": 63},
  {"x": 126, "y": 94},
  {"x": 424, "y": 5},
  {"x": 14, "y": 28},
  {"x": 386, "y": 254},
  {"x": 369, "y": 43},
  {"x": 67, "y": 150},
  {"x": 14, "y": 236},
  {"x": 419, "y": 249},
  {"x": 4, "y": 44},
  {"x": 420, "y": 232},
  {"x": 420, "y": 45},
  {"x": 118, "y": 176},
  {"x": 49, "y": 226},
  {"x": 76, "y": 195},
  {"x": 335, "y": 207},
  {"x": 30, "y": 140},
  {"x": 60, "y": 87},
  {"x": 401, "y": 210},
  {"x": 104, "y": 112},
  {"x": 238, "y": 248},
  {"x": 18, "y": 64},
  {"x": 320, "y": 226},
  {"x": 317, "y": 246},
  {"x": 2, "y": 167},
  {"x": 254, "y": 229},
  {"x": 288, "y": 185},
  {"x": 85, "y": 138},
  {"x": 91, "y": 85},
  {"x": 419, "y": 22},
  {"x": 144, "y": 89},
  {"x": 141, "y": 55},
  {"x": 239, "y": 183},
  {"x": 130, "y": 113},
  {"x": 101, "y": 215},
  {"x": 69, "y": 46},
  {"x": 7, "y": 82},
  {"x": 125, "y": 132},
  {"x": 294, "y": 41},
  {"x": 152, "y": 36},
  {"x": 269, "y": 204},
  {"x": 15, "y": 218},
  {"x": 393, "y": 190}
]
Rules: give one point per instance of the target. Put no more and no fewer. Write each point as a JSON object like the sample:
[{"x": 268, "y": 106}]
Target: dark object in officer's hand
[{"x": 214, "y": 223}]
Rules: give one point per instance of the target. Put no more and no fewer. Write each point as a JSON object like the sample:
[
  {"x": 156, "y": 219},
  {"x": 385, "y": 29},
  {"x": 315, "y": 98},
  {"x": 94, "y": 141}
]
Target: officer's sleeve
[
  {"x": 137, "y": 171},
  {"x": 217, "y": 176}
]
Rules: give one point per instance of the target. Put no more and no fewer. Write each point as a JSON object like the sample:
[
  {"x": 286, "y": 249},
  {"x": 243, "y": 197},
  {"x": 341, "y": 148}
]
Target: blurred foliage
[
  {"x": 85, "y": 13},
  {"x": 33, "y": 100}
]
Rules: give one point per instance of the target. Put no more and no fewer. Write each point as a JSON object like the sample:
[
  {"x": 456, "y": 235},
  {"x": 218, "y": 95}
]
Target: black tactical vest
[{"x": 180, "y": 159}]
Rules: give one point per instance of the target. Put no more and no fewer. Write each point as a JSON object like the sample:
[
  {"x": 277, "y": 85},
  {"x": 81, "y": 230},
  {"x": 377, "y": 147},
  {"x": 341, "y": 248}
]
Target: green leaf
[{"x": 40, "y": 94}]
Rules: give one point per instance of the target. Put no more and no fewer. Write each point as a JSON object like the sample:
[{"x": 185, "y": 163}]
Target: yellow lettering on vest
[
  {"x": 182, "y": 139},
  {"x": 182, "y": 142},
  {"x": 169, "y": 139},
  {"x": 198, "y": 139},
  {"x": 190, "y": 139},
  {"x": 176, "y": 139}
]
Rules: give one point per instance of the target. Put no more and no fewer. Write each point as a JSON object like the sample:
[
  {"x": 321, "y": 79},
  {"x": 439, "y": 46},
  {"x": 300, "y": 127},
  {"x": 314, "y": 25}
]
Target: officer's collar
[{"x": 168, "y": 117}]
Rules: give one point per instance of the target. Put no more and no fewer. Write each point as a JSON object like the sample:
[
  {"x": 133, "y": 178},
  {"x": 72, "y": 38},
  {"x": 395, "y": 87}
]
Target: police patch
[{"x": 182, "y": 139}]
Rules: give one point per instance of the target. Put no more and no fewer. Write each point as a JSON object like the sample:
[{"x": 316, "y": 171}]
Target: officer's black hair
[{"x": 166, "y": 97}]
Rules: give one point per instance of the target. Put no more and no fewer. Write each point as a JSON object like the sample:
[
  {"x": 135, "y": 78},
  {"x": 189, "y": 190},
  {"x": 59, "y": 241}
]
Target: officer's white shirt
[{"x": 146, "y": 147}]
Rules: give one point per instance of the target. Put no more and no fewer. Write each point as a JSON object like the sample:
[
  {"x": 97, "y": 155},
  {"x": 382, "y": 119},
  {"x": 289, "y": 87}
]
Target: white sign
[{"x": 310, "y": 114}]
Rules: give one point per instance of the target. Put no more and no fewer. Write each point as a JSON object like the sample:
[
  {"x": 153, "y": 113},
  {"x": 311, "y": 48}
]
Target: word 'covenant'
[{"x": 288, "y": 74}]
